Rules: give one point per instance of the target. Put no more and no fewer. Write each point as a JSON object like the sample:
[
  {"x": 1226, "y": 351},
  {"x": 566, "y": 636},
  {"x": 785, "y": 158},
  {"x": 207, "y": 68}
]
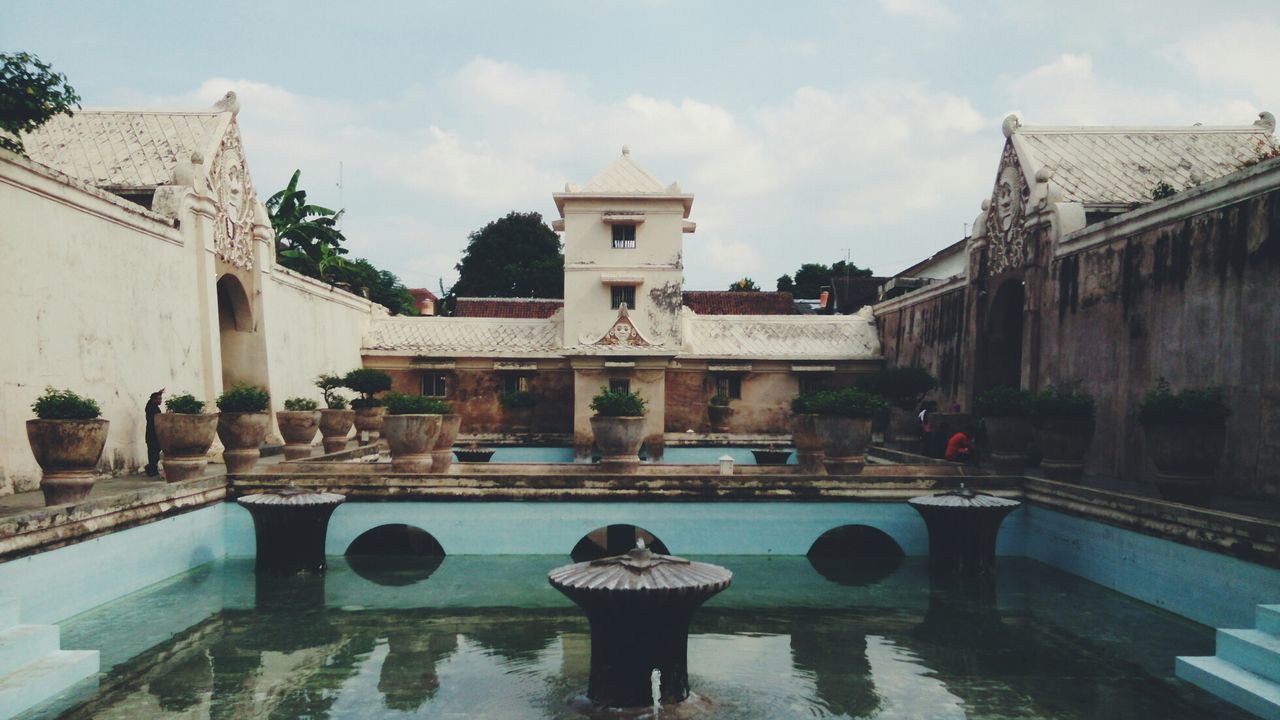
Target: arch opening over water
[
  {"x": 614, "y": 540},
  {"x": 855, "y": 555},
  {"x": 395, "y": 554}
]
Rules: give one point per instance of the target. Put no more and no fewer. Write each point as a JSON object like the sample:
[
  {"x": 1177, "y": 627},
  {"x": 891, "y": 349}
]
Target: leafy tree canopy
[
  {"x": 745, "y": 284},
  {"x": 30, "y": 94},
  {"x": 309, "y": 241},
  {"x": 514, "y": 256},
  {"x": 812, "y": 277}
]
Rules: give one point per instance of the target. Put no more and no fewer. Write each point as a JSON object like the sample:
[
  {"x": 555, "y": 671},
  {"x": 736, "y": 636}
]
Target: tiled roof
[
  {"x": 623, "y": 177},
  {"x": 795, "y": 337},
  {"x": 726, "y": 302},
  {"x": 122, "y": 148},
  {"x": 1122, "y": 165},
  {"x": 463, "y": 337},
  {"x": 506, "y": 307},
  {"x": 422, "y": 294}
]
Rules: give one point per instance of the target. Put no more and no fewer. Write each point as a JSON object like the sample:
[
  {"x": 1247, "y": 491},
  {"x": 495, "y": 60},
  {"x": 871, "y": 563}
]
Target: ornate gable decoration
[
  {"x": 1007, "y": 246},
  {"x": 229, "y": 184},
  {"x": 624, "y": 333}
]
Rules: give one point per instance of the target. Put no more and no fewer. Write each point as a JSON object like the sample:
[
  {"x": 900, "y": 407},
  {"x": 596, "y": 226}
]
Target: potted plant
[
  {"x": 450, "y": 424},
  {"x": 1185, "y": 433},
  {"x": 719, "y": 412},
  {"x": 185, "y": 432},
  {"x": 335, "y": 419},
  {"x": 843, "y": 424},
  {"x": 518, "y": 407},
  {"x": 411, "y": 426},
  {"x": 368, "y": 409},
  {"x": 1005, "y": 410},
  {"x": 804, "y": 436},
  {"x": 66, "y": 438},
  {"x": 904, "y": 388},
  {"x": 618, "y": 428},
  {"x": 1063, "y": 418},
  {"x": 298, "y": 424},
  {"x": 242, "y": 425}
]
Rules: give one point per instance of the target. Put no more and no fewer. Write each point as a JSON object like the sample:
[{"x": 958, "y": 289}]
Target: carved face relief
[
  {"x": 1008, "y": 197},
  {"x": 230, "y": 186}
]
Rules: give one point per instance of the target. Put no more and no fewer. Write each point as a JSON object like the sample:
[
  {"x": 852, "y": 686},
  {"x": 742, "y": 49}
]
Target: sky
[{"x": 807, "y": 131}]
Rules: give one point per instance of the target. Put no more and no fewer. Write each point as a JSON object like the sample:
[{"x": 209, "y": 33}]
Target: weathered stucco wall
[
  {"x": 311, "y": 329},
  {"x": 475, "y": 388},
  {"x": 764, "y": 407},
  {"x": 99, "y": 298},
  {"x": 1195, "y": 300},
  {"x": 1187, "y": 288}
]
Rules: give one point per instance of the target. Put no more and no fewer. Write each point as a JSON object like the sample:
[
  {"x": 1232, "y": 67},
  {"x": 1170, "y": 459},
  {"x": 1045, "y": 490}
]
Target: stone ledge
[{"x": 48, "y": 528}]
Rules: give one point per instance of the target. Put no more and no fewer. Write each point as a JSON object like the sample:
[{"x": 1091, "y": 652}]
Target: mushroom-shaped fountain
[
  {"x": 290, "y": 528},
  {"x": 639, "y": 606},
  {"x": 963, "y": 525}
]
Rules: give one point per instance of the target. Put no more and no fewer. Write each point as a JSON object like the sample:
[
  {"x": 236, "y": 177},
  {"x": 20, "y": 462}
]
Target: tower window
[
  {"x": 624, "y": 236},
  {"x": 622, "y": 294}
]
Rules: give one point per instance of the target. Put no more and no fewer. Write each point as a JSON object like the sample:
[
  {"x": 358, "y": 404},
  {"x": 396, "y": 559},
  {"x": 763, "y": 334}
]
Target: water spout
[{"x": 655, "y": 687}]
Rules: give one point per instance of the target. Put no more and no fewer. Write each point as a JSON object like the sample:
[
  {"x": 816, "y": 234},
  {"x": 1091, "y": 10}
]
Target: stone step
[
  {"x": 1252, "y": 650},
  {"x": 8, "y": 613},
  {"x": 40, "y": 681},
  {"x": 1269, "y": 619},
  {"x": 24, "y": 644},
  {"x": 1232, "y": 683}
]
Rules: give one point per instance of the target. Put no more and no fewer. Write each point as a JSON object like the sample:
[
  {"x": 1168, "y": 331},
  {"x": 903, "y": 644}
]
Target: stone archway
[
  {"x": 1002, "y": 337},
  {"x": 243, "y": 345}
]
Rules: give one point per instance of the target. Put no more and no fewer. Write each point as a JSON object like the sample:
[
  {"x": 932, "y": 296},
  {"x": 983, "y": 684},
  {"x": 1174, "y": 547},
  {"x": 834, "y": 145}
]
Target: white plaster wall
[
  {"x": 98, "y": 297},
  {"x": 311, "y": 328}
]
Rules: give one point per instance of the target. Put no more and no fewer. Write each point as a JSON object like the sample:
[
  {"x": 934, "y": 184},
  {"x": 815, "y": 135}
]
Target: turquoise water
[{"x": 486, "y": 637}]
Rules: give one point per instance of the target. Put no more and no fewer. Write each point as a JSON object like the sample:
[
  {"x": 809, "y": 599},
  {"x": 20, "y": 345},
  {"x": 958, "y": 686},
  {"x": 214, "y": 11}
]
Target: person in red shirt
[{"x": 960, "y": 448}]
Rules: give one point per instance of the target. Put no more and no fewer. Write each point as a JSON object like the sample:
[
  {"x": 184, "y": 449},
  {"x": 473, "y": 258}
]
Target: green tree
[
  {"x": 745, "y": 284},
  {"x": 812, "y": 277},
  {"x": 307, "y": 236},
  {"x": 514, "y": 256},
  {"x": 30, "y": 94},
  {"x": 786, "y": 284},
  {"x": 381, "y": 286}
]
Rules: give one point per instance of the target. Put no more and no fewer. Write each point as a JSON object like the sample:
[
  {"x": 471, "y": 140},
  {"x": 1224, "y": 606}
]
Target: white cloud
[{"x": 1240, "y": 55}]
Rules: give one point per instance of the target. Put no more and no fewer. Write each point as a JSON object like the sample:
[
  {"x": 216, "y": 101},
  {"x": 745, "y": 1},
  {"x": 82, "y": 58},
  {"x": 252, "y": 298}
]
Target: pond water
[
  {"x": 486, "y": 637},
  {"x": 671, "y": 455}
]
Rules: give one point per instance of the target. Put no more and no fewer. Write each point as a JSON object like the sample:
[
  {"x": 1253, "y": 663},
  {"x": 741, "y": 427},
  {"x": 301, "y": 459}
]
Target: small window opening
[
  {"x": 622, "y": 294},
  {"x": 729, "y": 386},
  {"x": 624, "y": 236},
  {"x": 516, "y": 383},
  {"x": 617, "y": 385},
  {"x": 435, "y": 385}
]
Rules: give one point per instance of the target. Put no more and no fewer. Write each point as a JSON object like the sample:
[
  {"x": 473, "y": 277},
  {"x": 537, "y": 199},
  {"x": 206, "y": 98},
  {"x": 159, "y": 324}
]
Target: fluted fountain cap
[
  {"x": 292, "y": 496},
  {"x": 964, "y": 497},
  {"x": 641, "y": 569}
]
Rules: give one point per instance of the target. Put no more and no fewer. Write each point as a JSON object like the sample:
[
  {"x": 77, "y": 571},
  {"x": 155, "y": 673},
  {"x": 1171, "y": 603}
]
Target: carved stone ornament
[
  {"x": 624, "y": 333},
  {"x": 233, "y": 192},
  {"x": 1007, "y": 247}
]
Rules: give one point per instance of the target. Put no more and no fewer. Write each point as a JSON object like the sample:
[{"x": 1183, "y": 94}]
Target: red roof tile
[
  {"x": 536, "y": 308},
  {"x": 729, "y": 302}
]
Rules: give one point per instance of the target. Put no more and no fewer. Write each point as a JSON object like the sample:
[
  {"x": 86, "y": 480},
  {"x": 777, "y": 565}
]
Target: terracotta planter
[
  {"x": 369, "y": 420},
  {"x": 844, "y": 442},
  {"x": 411, "y": 439},
  {"x": 335, "y": 425},
  {"x": 442, "y": 453},
  {"x": 619, "y": 440},
  {"x": 1063, "y": 444},
  {"x": 68, "y": 452},
  {"x": 242, "y": 435},
  {"x": 1186, "y": 457},
  {"x": 518, "y": 420},
  {"x": 184, "y": 441},
  {"x": 720, "y": 416},
  {"x": 1008, "y": 438},
  {"x": 808, "y": 445},
  {"x": 298, "y": 428}
]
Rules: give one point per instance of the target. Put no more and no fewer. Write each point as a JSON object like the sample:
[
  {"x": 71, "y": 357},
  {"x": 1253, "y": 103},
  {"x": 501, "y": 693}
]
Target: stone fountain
[
  {"x": 639, "y": 606},
  {"x": 290, "y": 528},
  {"x": 963, "y": 525}
]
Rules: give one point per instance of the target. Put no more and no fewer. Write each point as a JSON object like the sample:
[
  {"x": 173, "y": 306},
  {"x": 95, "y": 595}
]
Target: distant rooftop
[
  {"x": 728, "y": 302},
  {"x": 506, "y": 307}
]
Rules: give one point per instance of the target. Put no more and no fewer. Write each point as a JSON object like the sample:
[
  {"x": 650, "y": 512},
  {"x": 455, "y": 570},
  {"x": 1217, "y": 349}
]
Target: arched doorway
[
  {"x": 1002, "y": 337},
  {"x": 395, "y": 554},
  {"x": 243, "y": 347}
]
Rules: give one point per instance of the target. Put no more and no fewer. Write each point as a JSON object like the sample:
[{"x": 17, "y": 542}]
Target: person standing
[{"x": 153, "y": 446}]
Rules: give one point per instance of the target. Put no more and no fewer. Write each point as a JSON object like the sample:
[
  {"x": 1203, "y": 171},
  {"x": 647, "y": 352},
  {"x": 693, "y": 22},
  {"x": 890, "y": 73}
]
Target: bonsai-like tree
[
  {"x": 368, "y": 382},
  {"x": 30, "y": 94}
]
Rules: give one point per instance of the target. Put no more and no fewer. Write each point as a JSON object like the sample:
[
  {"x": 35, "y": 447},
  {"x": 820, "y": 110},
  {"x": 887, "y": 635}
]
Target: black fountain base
[{"x": 693, "y": 707}]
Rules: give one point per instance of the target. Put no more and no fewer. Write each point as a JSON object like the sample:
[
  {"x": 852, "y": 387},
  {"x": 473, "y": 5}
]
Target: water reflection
[{"x": 408, "y": 678}]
